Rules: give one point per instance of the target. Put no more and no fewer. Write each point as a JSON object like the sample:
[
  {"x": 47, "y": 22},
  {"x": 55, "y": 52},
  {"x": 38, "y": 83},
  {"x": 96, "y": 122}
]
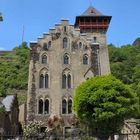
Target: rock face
[
  {"x": 136, "y": 42},
  {"x": 60, "y": 61}
]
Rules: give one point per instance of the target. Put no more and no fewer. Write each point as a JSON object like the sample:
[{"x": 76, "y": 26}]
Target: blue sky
[{"x": 37, "y": 16}]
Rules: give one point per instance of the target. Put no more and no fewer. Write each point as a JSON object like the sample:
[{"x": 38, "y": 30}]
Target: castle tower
[{"x": 61, "y": 60}]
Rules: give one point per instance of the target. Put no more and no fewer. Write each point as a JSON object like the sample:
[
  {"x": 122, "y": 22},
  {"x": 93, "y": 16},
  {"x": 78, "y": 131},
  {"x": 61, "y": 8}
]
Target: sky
[{"x": 36, "y": 17}]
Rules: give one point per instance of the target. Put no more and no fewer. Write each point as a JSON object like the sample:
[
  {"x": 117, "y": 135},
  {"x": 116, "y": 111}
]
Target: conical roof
[{"x": 91, "y": 11}]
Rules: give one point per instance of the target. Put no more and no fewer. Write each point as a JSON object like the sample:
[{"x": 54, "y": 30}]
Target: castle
[{"x": 61, "y": 60}]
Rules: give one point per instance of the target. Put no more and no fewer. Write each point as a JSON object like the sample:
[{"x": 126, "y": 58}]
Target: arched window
[
  {"x": 46, "y": 108},
  {"x": 49, "y": 44},
  {"x": 64, "y": 106},
  {"x": 69, "y": 81},
  {"x": 41, "y": 84},
  {"x": 44, "y": 59},
  {"x": 69, "y": 106},
  {"x": 80, "y": 44},
  {"x": 85, "y": 59},
  {"x": 65, "y": 43},
  {"x": 46, "y": 81},
  {"x": 45, "y": 48},
  {"x": 64, "y": 81},
  {"x": 40, "y": 106},
  {"x": 66, "y": 59}
]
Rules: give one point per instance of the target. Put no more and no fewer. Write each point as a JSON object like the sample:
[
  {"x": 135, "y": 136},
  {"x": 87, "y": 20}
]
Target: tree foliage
[
  {"x": 104, "y": 102},
  {"x": 125, "y": 64},
  {"x": 14, "y": 69}
]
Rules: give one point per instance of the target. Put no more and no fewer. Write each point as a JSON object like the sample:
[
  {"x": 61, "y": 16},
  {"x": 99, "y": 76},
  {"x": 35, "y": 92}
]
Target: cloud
[{"x": 2, "y": 49}]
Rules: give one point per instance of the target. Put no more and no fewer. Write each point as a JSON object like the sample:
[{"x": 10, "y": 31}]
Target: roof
[
  {"x": 91, "y": 11},
  {"x": 7, "y": 102}
]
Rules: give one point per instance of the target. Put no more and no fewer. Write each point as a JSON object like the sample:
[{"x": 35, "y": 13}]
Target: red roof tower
[{"x": 92, "y": 21}]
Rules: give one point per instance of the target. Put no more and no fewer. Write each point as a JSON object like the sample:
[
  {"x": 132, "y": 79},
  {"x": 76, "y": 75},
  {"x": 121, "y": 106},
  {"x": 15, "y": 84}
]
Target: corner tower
[{"x": 95, "y": 25}]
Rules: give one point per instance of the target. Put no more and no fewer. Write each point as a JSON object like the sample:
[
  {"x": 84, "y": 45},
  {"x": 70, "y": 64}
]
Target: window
[
  {"x": 64, "y": 81},
  {"x": 40, "y": 107},
  {"x": 65, "y": 28},
  {"x": 65, "y": 42},
  {"x": 46, "y": 108},
  {"x": 46, "y": 81},
  {"x": 69, "y": 81},
  {"x": 80, "y": 44},
  {"x": 49, "y": 44},
  {"x": 85, "y": 59},
  {"x": 44, "y": 59},
  {"x": 45, "y": 48},
  {"x": 69, "y": 106},
  {"x": 66, "y": 59},
  {"x": 94, "y": 39},
  {"x": 64, "y": 106},
  {"x": 41, "y": 81}
]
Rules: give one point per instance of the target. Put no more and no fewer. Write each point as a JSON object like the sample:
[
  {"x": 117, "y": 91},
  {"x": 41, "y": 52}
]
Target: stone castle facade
[{"x": 61, "y": 60}]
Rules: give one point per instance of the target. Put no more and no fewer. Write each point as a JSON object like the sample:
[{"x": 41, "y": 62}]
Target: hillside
[{"x": 14, "y": 69}]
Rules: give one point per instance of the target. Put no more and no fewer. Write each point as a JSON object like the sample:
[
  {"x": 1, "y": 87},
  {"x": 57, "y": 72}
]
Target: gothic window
[
  {"x": 80, "y": 44},
  {"x": 45, "y": 48},
  {"x": 65, "y": 28},
  {"x": 49, "y": 44},
  {"x": 66, "y": 59},
  {"x": 69, "y": 81},
  {"x": 46, "y": 81},
  {"x": 65, "y": 43},
  {"x": 40, "y": 106},
  {"x": 64, "y": 106},
  {"x": 69, "y": 106},
  {"x": 64, "y": 81},
  {"x": 85, "y": 59},
  {"x": 41, "y": 81},
  {"x": 46, "y": 107},
  {"x": 44, "y": 59},
  {"x": 94, "y": 39}
]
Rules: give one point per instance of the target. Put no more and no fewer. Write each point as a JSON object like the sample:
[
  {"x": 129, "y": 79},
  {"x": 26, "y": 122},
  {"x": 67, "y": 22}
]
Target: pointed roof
[{"x": 91, "y": 11}]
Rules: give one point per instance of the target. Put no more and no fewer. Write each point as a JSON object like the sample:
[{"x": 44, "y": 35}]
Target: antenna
[{"x": 23, "y": 34}]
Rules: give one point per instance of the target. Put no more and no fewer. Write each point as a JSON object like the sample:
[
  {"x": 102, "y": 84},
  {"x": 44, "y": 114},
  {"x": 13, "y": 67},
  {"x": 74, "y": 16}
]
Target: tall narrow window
[
  {"x": 65, "y": 43},
  {"x": 85, "y": 59},
  {"x": 49, "y": 44},
  {"x": 69, "y": 106},
  {"x": 40, "y": 107},
  {"x": 94, "y": 39},
  {"x": 66, "y": 59},
  {"x": 41, "y": 81},
  {"x": 65, "y": 28},
  {"x": 63, "y": 81},
  {"x": 80, "y": 44},
  {"x": 46, "y": 108},
  {"x": 44, "y": 59},
  {"x": 69, "y": 81},
  {"x": 45, "y": 48},
  {"x": 64, "y": 106},
  {"x": 46, "y": 81}
]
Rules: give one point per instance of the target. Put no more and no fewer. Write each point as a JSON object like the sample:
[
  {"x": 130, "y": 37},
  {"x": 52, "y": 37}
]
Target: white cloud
[{"x": 2, "y": 49}]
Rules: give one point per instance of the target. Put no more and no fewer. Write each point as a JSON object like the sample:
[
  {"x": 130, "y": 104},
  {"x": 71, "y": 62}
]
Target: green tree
[{"x": 103, "y": 103}]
